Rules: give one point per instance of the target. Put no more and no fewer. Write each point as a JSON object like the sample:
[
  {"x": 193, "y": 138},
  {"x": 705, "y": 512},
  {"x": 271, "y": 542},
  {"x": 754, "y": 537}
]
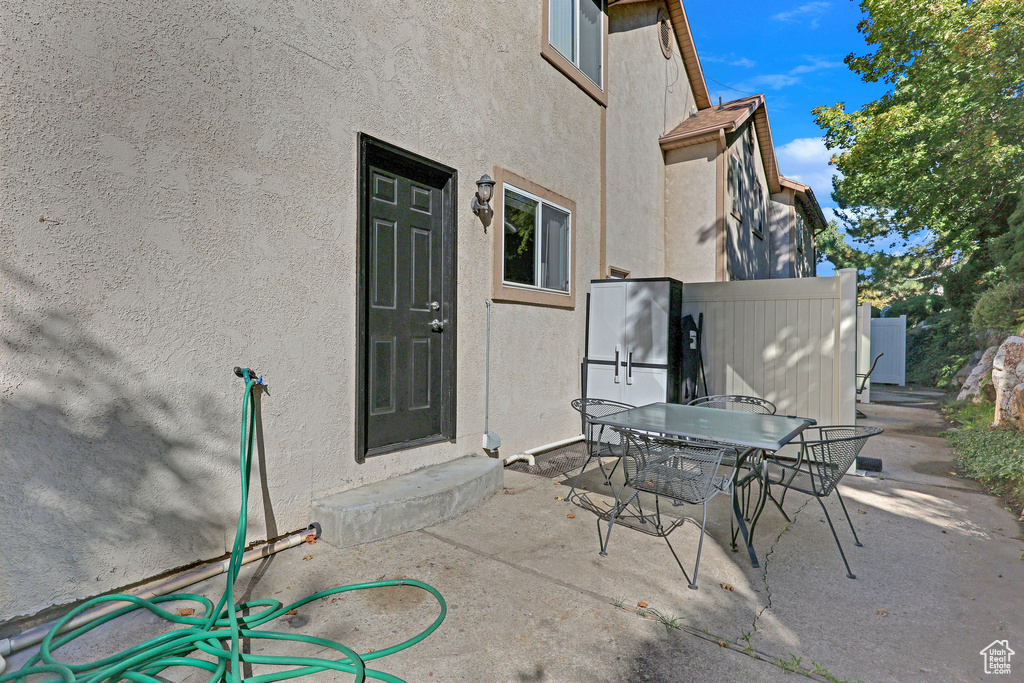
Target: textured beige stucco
[
  {"x": 648, "y": 94},
  {"x": 781, "y": 210},
  {"x": 691, "y": 212},
  {"x": 803, "y": 262},
  {"x": 179, "y": 197}
]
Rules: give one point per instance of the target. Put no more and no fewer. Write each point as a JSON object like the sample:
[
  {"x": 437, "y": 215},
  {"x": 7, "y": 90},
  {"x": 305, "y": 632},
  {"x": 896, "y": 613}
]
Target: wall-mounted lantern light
[{"x": 481, "y": 204}]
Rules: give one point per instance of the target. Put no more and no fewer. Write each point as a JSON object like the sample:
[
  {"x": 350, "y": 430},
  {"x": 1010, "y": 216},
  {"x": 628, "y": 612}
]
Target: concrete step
[{"x": 409, "y": 502}]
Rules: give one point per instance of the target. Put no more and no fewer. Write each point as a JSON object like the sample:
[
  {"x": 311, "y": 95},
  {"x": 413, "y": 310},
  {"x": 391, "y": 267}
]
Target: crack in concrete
[{"x": 767, "y": 559}]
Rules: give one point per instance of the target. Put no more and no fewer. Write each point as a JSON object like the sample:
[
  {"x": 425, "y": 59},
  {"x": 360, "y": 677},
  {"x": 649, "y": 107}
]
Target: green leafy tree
[
  {"x": 883, "y": 277},
  {"x": 943, "y": 150}
]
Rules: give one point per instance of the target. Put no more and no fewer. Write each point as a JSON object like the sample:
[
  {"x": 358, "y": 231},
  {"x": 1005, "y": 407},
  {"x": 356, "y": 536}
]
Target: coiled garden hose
[{"x": 219, "y": 631}]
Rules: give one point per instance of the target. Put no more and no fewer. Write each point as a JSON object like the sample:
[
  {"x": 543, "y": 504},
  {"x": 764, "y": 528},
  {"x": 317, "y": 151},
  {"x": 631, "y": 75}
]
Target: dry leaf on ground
[
  {"x": 641, "y": 604},
  {"x": 292, "y": 611},
  {"x": 882, "y": 613},
  {"x": 308, "y": 557},
  {"x": 311, "y": 539},
  {"x": 184, "y": 611},
  {"x": 728, "y": 587},
  {"x": 571, "y": 516}
]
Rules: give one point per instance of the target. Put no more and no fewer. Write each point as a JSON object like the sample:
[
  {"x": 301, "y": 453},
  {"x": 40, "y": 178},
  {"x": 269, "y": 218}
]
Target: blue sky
[{"x": 792, "y": 51}]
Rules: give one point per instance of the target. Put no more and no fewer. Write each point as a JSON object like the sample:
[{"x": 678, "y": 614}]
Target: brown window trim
[
  {"x": 526, "y": 295},
  {"x": 599, "y": 93}
]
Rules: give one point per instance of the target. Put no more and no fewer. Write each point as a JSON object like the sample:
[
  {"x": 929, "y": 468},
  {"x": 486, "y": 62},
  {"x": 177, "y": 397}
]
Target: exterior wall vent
[{"x": 665, "y": 33}]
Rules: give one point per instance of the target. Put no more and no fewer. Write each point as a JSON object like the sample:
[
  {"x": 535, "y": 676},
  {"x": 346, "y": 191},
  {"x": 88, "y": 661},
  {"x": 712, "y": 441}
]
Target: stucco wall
[
  {"x": 803, "y": 261},
  {"x": 179, "y": 198},
  {"x": 749, "y": 254},
  {"x": 647, "y": 94},
  {"x": 781, "y": 208},
  {"x": 691, "y": 212}
]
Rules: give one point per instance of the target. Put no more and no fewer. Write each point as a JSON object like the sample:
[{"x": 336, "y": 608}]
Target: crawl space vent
[{"x": 665, "y": 33}]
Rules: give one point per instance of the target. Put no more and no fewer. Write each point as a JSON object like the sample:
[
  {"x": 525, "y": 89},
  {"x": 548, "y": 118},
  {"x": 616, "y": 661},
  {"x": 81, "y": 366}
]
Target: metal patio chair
[
  {"x": 862, "y": 380},
  {"x": 746, "y": 404},
  {"x": 679, "y": 470},
  {"x": 600, "y": 442},
  {"x": 826, "y": 454}
]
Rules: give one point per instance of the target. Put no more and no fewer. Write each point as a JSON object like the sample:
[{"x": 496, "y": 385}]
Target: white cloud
[
  {"x": 773, "y": 81},
  {"x": 810, "y": 12},
  {"x": 731, "y": 59},
  {"x": 806, "y": 160},
  {"x": 816, "y": 64}
]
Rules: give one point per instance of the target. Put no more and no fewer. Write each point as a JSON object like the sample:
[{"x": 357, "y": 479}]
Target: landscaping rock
[
  {"x": 980, "y": 375},
  {"x": 1018, "y": 403},
  {"x": 960, "y": 377},
  {"x": 1007, "y": 375}
]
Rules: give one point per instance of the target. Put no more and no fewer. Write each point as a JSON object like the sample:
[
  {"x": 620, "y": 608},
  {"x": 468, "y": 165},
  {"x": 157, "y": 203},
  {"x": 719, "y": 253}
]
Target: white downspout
[
  {"x": 164, "y": 587},
  {"x": 528, "y": 454}
]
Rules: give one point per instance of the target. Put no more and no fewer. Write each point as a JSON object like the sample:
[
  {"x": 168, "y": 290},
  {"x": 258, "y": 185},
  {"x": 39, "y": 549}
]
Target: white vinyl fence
[
  {"x": 791, "y": 341},
  {"x": 864, "y": 350},
  {"x": 889, "y": 336}
]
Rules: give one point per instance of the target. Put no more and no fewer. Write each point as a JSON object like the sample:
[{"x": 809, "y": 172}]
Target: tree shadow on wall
[{"x": 111, "y": 472}]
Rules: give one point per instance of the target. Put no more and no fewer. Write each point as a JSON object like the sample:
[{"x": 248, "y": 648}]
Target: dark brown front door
[{"x": 408, "y": 306}]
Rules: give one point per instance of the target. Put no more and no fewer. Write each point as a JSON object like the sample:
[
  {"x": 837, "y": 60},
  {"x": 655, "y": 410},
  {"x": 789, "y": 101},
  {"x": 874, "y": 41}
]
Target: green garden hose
[{"x": 218, "y": 626}]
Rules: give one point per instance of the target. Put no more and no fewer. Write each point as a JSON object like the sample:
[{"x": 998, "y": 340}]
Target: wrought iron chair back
[
  {"x": 746, "y": 404},
  {"x": 826, "y": 454},
  {"x": 829, "y": 451},
  {"x": 682, "y": 471},
  {"x": 590, "y": 408},
  {"x": 600, "y": 442},
  {"x": 673, "y": 468}
]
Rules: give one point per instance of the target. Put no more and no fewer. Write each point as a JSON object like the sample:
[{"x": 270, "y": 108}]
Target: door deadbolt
[{"x": 434, "y": 306}]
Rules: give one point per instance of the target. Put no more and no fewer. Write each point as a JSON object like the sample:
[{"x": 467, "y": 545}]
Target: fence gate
[{"x": 889, "y": 336}]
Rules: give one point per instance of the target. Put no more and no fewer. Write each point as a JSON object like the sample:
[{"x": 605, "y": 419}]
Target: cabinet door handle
[
  {"x": 629, "y": 365},
  {"x": 618, "y": 350}
]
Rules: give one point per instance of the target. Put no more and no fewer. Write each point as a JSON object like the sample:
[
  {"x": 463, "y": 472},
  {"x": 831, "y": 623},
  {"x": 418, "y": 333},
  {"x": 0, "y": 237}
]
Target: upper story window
[
  {"x": 757, "y": 224},
  {"x": 576, "y": 30},
  {"x": 536, "y": 242},
  {"x": 737, "y": 187},
  {"x": 801, "y": 228}
]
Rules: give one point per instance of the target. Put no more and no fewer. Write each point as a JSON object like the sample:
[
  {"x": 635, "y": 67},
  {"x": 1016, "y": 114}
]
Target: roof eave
[{"x": 684, "y": 37}]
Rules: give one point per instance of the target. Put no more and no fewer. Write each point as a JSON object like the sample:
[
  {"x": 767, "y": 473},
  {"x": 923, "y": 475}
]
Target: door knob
[
  {"x": 434, "y": 306},
  {"x": 437, "y": 325}
]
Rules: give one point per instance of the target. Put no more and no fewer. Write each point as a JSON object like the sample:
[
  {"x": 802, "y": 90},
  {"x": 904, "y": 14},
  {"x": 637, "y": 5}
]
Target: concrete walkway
[{"x": 940, "y": 576}]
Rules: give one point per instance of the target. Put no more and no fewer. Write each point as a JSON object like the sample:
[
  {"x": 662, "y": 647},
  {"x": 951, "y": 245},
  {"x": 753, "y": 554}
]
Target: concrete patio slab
[{"x": 939, "y": 577}]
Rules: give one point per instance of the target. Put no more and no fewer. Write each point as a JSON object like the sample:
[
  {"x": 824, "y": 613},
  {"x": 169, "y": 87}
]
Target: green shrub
[
  {"x": 995, "y": 457},
  {"x": 917, "y": 308},
  {"x": 1000, "y": 308},
  {"x": 938, "y": 349}
]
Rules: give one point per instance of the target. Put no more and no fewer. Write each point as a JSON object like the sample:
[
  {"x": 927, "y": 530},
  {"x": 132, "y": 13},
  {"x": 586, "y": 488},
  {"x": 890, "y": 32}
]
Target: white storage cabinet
[{"x": 634, "y": 335}]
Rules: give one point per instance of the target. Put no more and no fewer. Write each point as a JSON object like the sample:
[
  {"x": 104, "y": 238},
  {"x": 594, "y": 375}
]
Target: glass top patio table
[{"x": 749, "y": 430}]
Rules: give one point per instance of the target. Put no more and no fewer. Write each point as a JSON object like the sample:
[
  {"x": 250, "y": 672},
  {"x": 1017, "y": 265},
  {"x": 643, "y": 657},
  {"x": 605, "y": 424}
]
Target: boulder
[
  {"x": 960, "y": 377},
  {"x": 1006, "y": 364},
  {"x": 980, "y": 375},
  {"x": 1018, "y": 402}
]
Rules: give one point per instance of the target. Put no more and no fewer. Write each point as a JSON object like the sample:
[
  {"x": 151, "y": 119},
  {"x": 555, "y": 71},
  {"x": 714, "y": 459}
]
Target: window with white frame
[
  {"x": 576, "y": 30},
  {"x": 536, "y": 242}
]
